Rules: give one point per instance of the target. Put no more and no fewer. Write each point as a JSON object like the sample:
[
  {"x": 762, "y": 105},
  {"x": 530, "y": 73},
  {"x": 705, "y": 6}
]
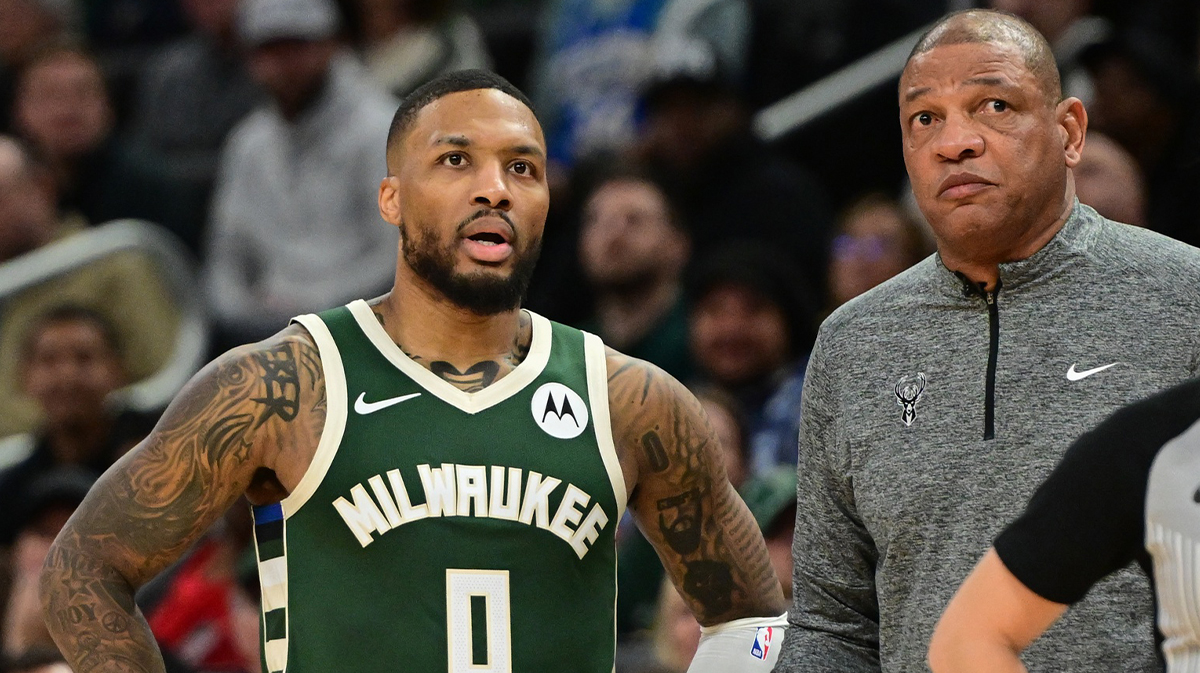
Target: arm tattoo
[
  {"x": 679, "y": 519},
  {"x": 222, "y": 430},
  {"x": 282, "y": 384},
  {"x": 99, "y": 612},
  {"x": 711, "y": 583},
  {"x": 707, "y": 538},
  {"x": 656, "y": 454}
]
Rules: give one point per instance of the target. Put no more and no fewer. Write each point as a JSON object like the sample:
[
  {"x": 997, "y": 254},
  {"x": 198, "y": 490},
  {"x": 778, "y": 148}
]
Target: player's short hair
[
  {"x": 72, "y": 313},
  {"x": 989, "y": 26},
  {"x": 454, "y": 82}
]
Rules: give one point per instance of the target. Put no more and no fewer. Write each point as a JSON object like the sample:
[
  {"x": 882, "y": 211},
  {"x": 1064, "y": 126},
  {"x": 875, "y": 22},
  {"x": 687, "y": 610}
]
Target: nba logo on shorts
[{"x": 762, "y": 643}]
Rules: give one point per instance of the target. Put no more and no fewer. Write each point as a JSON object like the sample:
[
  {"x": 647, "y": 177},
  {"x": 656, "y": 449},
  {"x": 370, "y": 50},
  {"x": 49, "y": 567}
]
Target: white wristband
[{"x": 748, "y": 645}]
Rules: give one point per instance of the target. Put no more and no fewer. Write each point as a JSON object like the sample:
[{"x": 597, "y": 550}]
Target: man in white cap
[{"x": 295, "y": 224}]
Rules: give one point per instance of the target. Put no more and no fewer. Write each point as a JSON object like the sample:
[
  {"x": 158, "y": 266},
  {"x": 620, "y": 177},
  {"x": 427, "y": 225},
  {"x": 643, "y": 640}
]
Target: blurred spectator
[
  {"x": 191, "y": 94},
  {"x": 62, "y": 108},
  {"x": 200, "y": 613},
  {"x": 71, "y": 365},
  {"x": 1109, "y": 180},
  {"x": 408, "y": 42},
  {"x": 596, "y": 57},
  {"x": 123, "y": 34},
  {"x": 670, "y": 643},
  {"x": 125, "y": 288},
  {"x": 25, "y": 25},
  {"x": 771, "y": 498},
  {"x": 875, "y": 240},
  {"x": 676, "y": 633},
  {"x": 48, "y": 501},
  {"x": 295, "y": 220},
  {"x": 1145, "y": 99},
  {"x": 1070, "y": 28},
  {"x": 730, "y": 185},
  {"x": 27, "y": 219},
  {"x": 633, "y": 250},
  {"x": 751, "y": 331}
]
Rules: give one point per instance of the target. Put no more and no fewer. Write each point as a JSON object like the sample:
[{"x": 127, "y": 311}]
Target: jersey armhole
[
  {"x": 335, "y": 415},
  {"x": 597, "y": 382}
]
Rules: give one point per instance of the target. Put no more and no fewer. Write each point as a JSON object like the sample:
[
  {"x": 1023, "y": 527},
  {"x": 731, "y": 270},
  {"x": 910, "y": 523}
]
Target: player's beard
[{"x": 480, "y": 292}]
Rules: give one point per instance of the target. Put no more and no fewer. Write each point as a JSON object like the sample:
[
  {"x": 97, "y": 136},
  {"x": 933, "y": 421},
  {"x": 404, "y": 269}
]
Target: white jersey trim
[
  {"x": 472, "y": 403},
  {"x": 597, "y": 381},
  {"x": 335, "y": 415}
]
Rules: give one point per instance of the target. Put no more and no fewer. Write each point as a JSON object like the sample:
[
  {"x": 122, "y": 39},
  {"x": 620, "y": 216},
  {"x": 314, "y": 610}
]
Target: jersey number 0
[{"x": 478, "y": 599}]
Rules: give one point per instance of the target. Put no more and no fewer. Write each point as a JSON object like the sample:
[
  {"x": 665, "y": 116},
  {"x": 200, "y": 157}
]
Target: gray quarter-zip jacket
[{"x": 931, "y": 411}]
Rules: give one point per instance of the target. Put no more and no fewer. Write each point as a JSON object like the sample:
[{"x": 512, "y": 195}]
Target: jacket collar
[{"x": 1071, "y": 241}]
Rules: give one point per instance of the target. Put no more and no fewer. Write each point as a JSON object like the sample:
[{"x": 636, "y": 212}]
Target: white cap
[{"x": 265, "y": 20}]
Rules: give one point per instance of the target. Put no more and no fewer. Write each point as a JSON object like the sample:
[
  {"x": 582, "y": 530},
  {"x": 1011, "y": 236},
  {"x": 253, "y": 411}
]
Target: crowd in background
[{"x": 252, "y": 132}]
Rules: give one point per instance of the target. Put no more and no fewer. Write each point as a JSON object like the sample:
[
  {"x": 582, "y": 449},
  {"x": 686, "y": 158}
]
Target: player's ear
[{"x": 389, "y": 199}]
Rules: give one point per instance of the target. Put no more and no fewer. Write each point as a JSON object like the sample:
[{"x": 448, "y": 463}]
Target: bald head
[{"x": 983, "y": 26}]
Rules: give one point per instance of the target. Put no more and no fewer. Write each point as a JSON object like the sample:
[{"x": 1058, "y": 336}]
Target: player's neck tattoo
[{"x": 481, "y": 374}]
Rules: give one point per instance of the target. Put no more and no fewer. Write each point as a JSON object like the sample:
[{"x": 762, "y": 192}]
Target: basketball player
[
  {"x": 1126, "y": 491},
  {"x": 437, "y": 475}
]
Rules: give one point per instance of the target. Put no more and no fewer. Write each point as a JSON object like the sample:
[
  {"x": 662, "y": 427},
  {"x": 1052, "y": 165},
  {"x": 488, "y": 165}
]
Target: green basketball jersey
[{"x": 444, "y": 531}]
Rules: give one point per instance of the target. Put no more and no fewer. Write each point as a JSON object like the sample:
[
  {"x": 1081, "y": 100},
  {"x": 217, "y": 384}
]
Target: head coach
[{"x": 935, "y": 403}]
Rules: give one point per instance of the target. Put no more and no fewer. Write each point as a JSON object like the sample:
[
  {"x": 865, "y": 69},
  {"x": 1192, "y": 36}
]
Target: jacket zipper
[{"x": 989, "y": 409}]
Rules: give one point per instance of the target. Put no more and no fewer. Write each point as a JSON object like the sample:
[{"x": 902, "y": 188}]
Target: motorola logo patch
[{"x": 559, "y": 411}]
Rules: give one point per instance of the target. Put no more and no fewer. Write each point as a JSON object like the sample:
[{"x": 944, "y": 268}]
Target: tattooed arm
[
  {"x": 252, "y": 413},
  {"x": 682, "y": 500}
]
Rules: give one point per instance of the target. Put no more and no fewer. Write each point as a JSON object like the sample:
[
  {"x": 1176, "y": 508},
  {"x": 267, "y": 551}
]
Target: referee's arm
[
  {"x": 1084, "y": 522},
  {"x": 990, "y": 621}
]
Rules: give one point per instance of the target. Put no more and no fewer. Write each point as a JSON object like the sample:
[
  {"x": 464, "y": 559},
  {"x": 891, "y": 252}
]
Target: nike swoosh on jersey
[
  {"x": 364, "y": 407},
  {"x": 1073, "y": 375}
]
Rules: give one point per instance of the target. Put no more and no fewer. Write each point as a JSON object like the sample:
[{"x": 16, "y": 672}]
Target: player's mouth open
[
  {"x": 487, "y": 246},
  {"x": 488, "y": 238}
]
